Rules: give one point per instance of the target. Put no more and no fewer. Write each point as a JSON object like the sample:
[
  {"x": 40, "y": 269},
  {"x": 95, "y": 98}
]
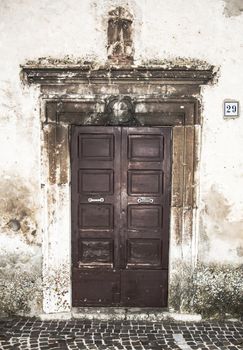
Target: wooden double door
[{"x": 120, "y": 215}]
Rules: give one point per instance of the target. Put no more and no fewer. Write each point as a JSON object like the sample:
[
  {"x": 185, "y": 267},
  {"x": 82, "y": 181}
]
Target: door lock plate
[
  {"x": 145, "y": 200},
  {"x": 96, "y": 200}
]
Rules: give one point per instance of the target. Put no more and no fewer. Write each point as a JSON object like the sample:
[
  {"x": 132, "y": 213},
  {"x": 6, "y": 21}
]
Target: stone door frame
[{"x": 78, "y": 96}]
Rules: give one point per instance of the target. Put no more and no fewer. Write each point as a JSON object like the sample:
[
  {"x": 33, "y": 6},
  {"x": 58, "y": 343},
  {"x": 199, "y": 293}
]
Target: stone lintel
[{"x": 86, "y": 74}]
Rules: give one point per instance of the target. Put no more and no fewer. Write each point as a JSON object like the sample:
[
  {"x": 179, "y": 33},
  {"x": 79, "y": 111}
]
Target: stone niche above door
[{"x": 114, "y": 96}]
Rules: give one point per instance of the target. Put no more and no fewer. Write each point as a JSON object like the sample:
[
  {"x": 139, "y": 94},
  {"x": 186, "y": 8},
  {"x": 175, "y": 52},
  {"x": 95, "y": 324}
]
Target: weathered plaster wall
[
  {"x": 233, "y": 7},
  {"x": 209, "y": 31}
]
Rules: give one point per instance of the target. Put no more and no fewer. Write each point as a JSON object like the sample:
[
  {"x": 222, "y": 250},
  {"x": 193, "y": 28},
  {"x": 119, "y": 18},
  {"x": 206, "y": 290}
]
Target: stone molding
[{"x": 130, "y": 75}]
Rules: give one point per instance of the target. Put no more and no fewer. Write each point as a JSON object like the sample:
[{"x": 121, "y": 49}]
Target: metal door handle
[
  {"x": 97, "y": 200},
  {"x": 145, "y": 200}
]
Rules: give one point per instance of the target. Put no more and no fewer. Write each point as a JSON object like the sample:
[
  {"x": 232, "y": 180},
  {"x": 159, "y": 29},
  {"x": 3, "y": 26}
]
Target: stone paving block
[{"x": 33, "y": 334}]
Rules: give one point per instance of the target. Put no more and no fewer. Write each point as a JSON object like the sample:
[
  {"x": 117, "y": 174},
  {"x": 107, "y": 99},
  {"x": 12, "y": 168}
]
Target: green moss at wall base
[
  {"x": 213, "y": 290},
  {"x": 20, "y": 286}
]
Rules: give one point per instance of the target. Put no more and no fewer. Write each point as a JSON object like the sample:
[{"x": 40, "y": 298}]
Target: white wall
[{"x": 163, "y": 30}]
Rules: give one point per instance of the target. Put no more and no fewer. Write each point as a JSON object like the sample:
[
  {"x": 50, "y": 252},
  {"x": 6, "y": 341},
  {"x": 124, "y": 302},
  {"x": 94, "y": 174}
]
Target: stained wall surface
[{"x": 177, "y": 32}]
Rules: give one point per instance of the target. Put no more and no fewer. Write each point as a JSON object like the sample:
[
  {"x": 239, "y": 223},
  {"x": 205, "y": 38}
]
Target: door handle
[
  {"x": 145, "y": 200},
  {"x": 96, "y": 200}
]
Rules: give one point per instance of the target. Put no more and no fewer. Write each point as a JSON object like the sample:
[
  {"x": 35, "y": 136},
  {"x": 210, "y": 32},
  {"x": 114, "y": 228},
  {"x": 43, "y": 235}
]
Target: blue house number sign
[{"x": 231, "y": 109}]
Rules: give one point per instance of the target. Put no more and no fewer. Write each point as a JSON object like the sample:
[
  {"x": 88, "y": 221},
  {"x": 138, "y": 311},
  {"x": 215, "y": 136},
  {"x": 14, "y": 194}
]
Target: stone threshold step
[{"x": 119, "y": 314}]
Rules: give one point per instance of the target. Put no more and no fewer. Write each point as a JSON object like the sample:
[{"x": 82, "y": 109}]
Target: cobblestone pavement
[{"x": 130, "y": 335}]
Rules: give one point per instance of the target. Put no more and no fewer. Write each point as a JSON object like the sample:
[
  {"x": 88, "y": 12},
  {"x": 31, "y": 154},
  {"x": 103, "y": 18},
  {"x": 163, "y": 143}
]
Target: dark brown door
[{"x": 120, "y": 215}]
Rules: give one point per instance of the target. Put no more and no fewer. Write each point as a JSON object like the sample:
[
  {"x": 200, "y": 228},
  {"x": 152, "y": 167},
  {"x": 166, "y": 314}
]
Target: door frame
[
  {"x": 56, "y": 161},
  {"x": 76, "y": 95}
]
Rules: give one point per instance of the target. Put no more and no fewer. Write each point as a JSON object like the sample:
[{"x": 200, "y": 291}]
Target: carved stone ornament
[
  {"x": 120, "y": 111},
  {"x": 120, "y": 45}
]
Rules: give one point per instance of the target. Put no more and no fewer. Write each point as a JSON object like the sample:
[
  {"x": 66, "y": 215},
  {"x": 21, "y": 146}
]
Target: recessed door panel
[
  {"x": 95, "y": 181},
  {"x": 95, "y": 252},
  {"x": 145, "y": 182},
  {"x": 96, "y": 216},
  {"x": 144, "y": 252},
  {"x": 147, "y": 148},
  {"x": 96, "y": 147},
  {"x": 146, "y": 288},
  {"x": 144, "y": 217},
  {"x": 120, "y": 216},
  {"x": 96, "y": 287}
]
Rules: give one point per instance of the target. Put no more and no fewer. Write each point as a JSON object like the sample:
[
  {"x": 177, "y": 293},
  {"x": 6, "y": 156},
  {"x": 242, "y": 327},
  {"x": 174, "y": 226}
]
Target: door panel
[
  {"x": 120, "y": 214},
  {"x": 144, "y": 288},
  {"x": 96, "y": 147},
  {"x": 96, "y": 181},
  {"x": 96, "y": 216},
  {"x": 95, "y": 251},
  {"x": 96, "y": 288},
  {"x": 147, "y": 148},
  {"x": 144, "y": 252},
  {"x": 144, "y": 217},
  {"x": 145, "y": 182}
]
